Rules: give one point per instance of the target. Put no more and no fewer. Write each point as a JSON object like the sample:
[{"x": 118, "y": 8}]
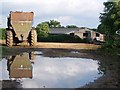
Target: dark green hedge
[{"x": 61, "y": 38}]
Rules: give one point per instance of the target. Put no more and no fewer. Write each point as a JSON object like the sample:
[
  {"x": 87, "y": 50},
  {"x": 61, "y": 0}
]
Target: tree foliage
[
  {"x": 110, "y": 19},
  {"x": 54, "y": 24},
  {"x": 71, "y": 26},
  {"x": 57, "y": 24},
  {"x": 42, "y": 30},
  {"x": 110, "y": 23}
]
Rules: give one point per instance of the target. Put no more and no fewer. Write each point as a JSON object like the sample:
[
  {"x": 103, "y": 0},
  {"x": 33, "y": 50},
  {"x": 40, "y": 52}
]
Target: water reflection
[
  {"x": 37, "y": 71},
  {"x": 19, "y": 66}
]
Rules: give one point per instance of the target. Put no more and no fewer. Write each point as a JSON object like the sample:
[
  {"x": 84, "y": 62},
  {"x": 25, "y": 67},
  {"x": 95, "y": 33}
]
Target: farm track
[{"x": 57, "y": 45}]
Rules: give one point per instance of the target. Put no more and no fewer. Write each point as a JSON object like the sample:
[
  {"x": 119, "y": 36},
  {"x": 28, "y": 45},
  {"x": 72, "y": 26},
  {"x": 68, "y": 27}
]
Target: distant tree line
[{"x": 57, "y": 24}]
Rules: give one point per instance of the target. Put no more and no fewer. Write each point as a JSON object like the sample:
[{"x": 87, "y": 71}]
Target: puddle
[
  {"x": 75, "y": 52},
  {"x": 33, "y": 70}
]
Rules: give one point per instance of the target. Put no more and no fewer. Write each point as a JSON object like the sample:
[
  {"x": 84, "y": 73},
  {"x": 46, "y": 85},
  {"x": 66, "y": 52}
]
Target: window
[
  {"x": 97, "y": 34},
  {"x": 72, "y": 34},
  {"x": 85, "y": 34}
]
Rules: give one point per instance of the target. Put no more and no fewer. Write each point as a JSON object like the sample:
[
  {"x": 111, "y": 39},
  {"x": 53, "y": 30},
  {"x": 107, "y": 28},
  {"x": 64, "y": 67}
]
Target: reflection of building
[{"x": 19, "y": 66}]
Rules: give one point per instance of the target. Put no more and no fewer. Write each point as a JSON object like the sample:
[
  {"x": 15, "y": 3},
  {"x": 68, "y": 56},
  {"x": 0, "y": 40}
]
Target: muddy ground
[{"x": 109, "y": 66}]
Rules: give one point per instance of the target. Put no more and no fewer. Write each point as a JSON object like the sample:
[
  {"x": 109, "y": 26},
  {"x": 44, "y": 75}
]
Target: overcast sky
[{"x": 83, "y": 13}]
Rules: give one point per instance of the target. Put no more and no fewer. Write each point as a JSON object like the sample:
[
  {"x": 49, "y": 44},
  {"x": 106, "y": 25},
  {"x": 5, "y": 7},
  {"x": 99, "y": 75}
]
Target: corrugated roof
[
  {"x": 62, "y": 30},
  {"x": 67, "y": 30}
]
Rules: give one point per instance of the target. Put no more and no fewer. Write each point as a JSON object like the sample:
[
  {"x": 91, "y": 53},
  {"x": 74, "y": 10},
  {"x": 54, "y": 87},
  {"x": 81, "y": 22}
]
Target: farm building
[
  {"x": 82, "y": 33},
  {"x": 89, "y": 34}
]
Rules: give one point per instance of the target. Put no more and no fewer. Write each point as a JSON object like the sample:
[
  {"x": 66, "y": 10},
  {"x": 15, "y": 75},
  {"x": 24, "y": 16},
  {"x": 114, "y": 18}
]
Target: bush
[
  {"x": 2, "y": 33},
  {"x": 42, "y": 30},
  {"x": 111, "y": 46}
]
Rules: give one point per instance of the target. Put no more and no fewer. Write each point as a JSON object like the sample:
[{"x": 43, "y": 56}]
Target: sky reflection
[{"x": 65, "y": 72}]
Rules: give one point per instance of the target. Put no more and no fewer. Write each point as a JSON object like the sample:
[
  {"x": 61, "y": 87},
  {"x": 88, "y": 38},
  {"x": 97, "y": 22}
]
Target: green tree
[
  {"x": 71, "y": 26},
  {"x": 54, "y": 23},
  {"x": 110, "y": 19},
  {"x": 42, "y": 30},
  {"x": 110, "y": 23}
]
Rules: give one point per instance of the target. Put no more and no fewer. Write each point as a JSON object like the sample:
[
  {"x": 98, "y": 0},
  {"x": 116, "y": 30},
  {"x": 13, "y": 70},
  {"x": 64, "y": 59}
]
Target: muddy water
[{"x": 34, "y": 70}]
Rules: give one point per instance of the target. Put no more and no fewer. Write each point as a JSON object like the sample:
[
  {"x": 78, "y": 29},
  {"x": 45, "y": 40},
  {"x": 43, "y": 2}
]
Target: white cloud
[
  {"x": 0, "y": 13},
  {"x": 0, "y": 20},
  {"x": 60, "y": 6},
  {"x": 62, "y": 10},
  {"x": 64, "y": 19}
]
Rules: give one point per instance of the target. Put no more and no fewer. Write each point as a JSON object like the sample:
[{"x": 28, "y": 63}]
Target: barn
[{"x": 83, "y": 33}]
